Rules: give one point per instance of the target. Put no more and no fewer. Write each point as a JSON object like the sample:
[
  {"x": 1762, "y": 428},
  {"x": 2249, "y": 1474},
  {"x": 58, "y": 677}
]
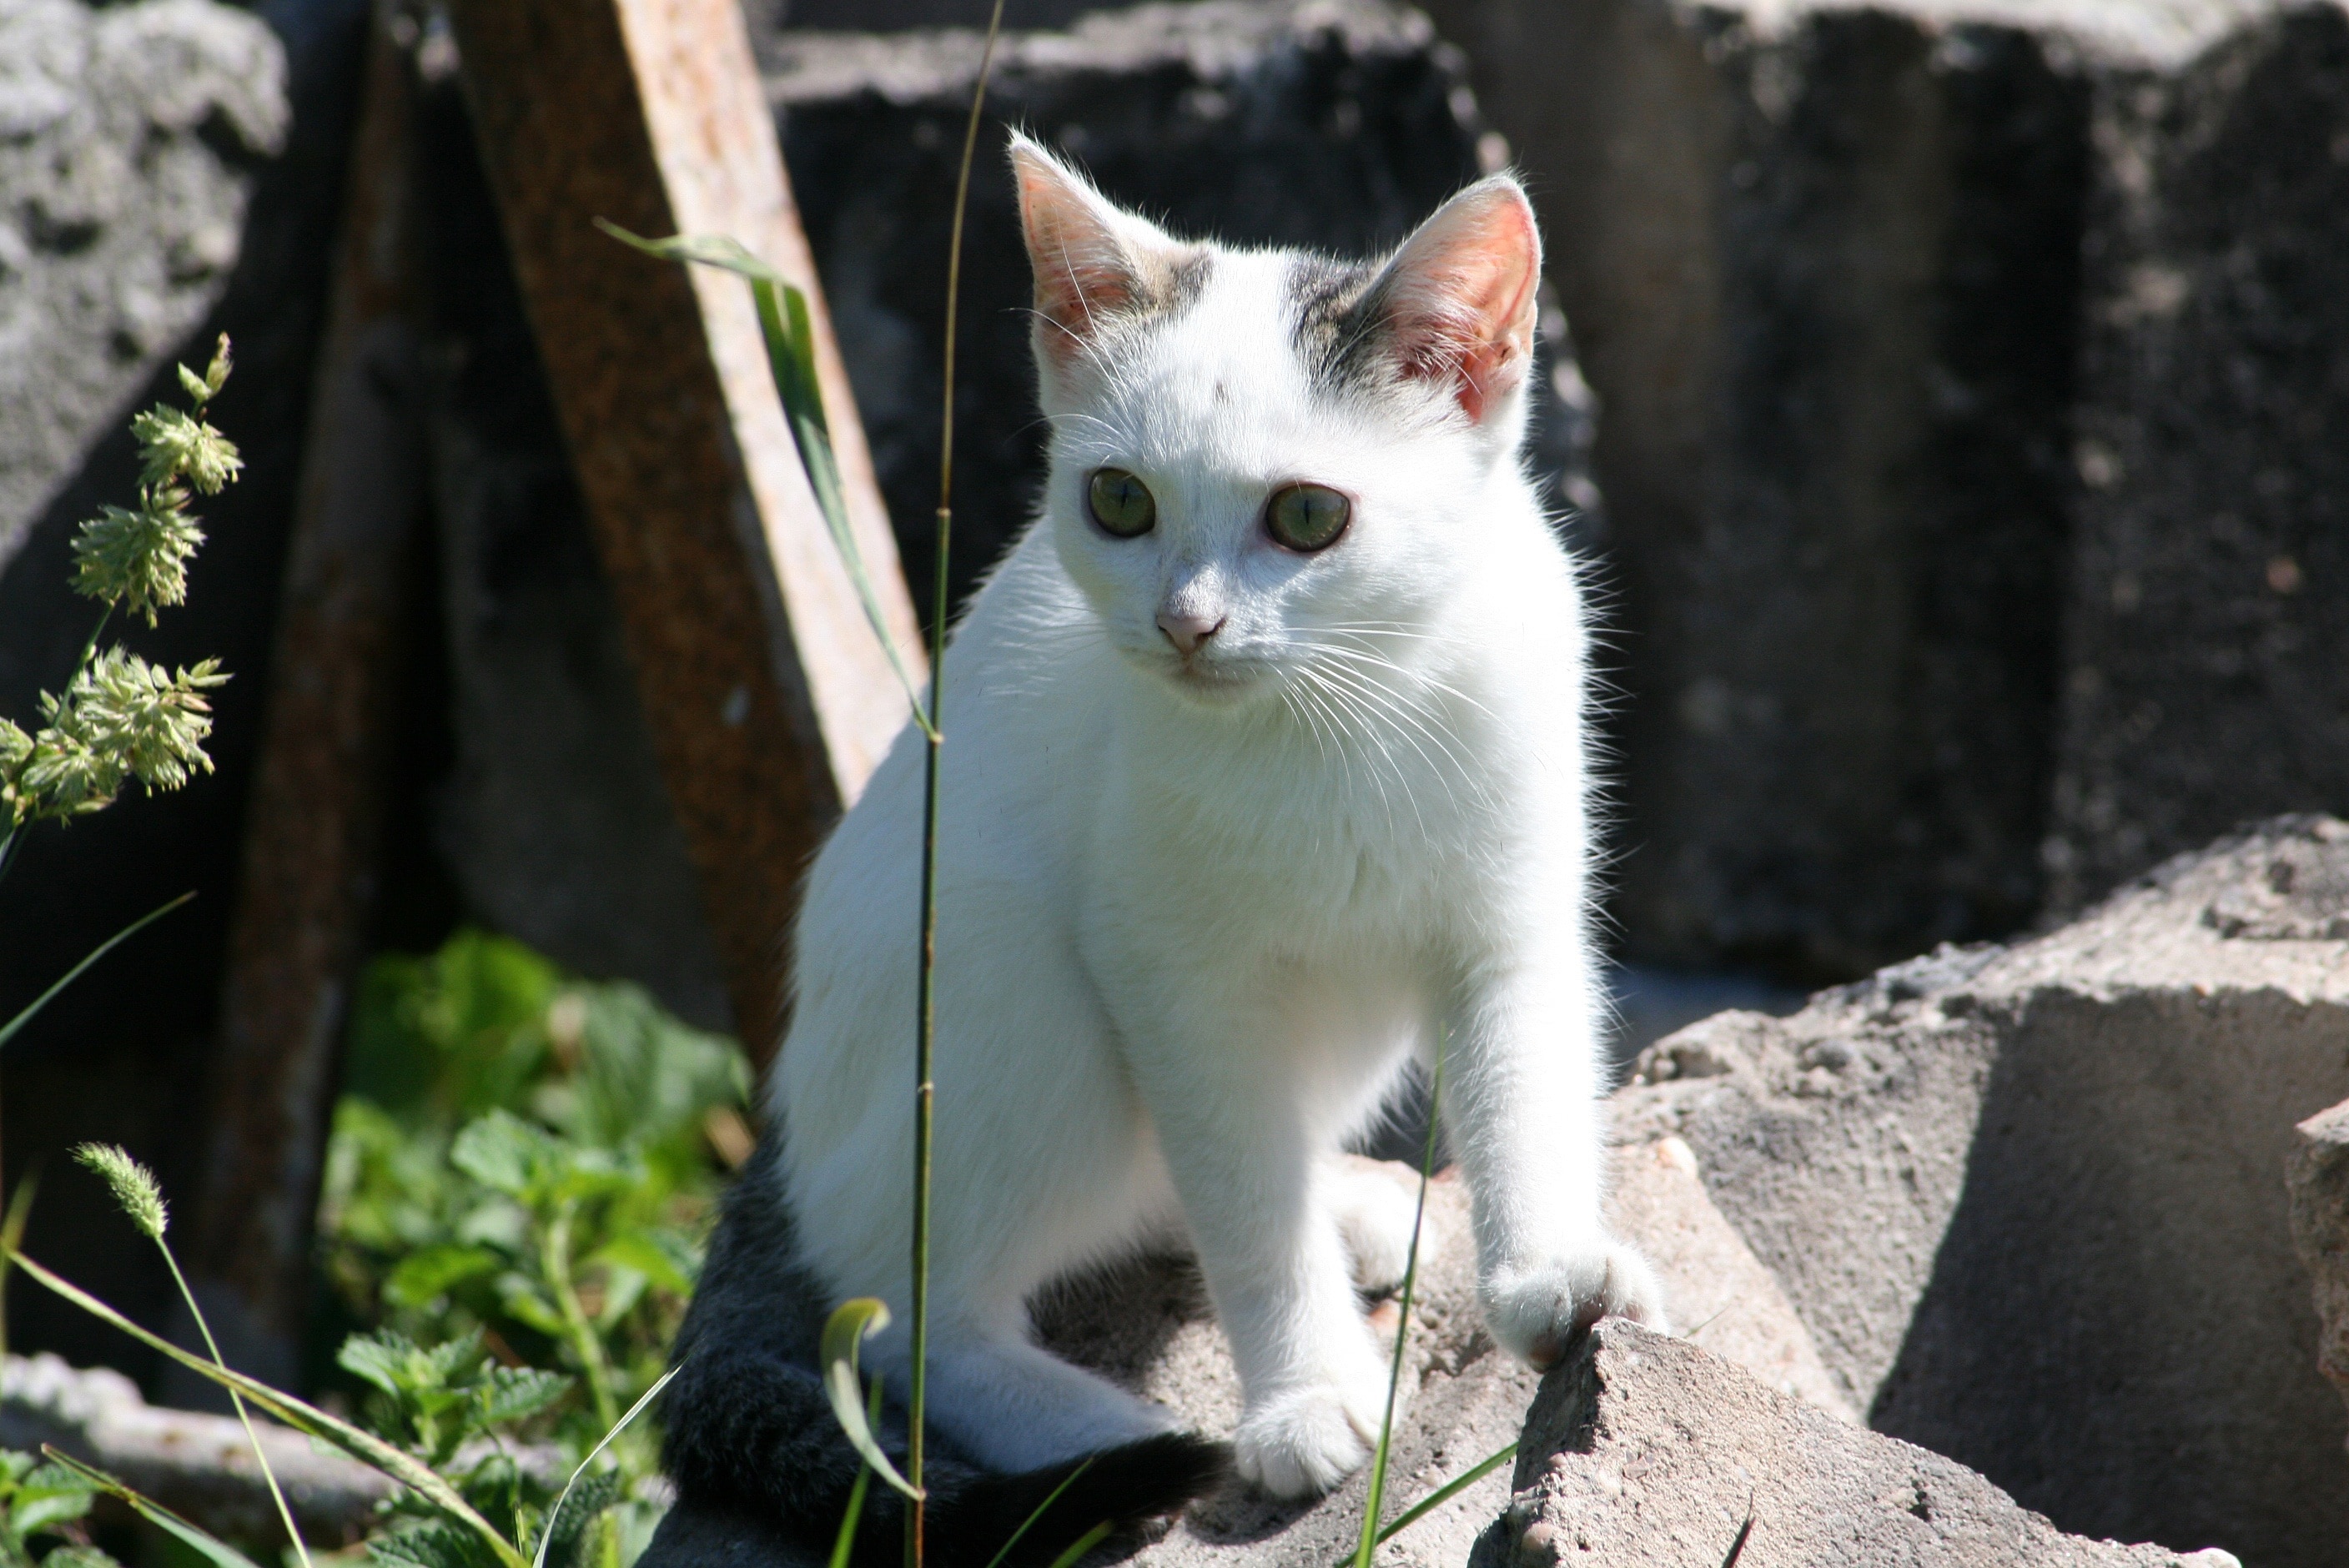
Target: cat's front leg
[
  {"x": 1257, "y": 1194},
  {"x": 1522, "y": 1097}
]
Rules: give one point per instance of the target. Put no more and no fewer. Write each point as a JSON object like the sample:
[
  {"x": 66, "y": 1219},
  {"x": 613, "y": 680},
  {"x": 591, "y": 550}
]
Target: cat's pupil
[
  {"x": 1121, "y": 504},
  {"x": 1306, "y": 516}
]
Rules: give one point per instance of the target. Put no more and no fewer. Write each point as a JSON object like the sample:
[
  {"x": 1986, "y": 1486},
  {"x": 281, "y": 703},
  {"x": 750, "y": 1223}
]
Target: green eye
[
  {"x": 1121, "y": 503},
  {"x": 1306, "y": 516}
]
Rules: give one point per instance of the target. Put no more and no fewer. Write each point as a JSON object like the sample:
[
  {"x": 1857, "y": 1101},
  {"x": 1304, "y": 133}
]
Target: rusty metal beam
[
  {"x": 314, "y": 814},
  {"x": 768, "y": 698}
]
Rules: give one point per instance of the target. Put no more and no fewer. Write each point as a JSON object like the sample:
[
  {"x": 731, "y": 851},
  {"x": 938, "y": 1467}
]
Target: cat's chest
[{"x": 1289, "y": 852}]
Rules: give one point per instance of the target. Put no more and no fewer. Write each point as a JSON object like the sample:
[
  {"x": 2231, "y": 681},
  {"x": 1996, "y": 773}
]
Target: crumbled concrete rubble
[
  {"x": 1464, "y": 1401},
  {"x": 1644, "y": 1450},
  {"x": 200, "y": 1466},
  {"x": 2027, "y": 1199},
  {"x": 125, "y": 138},
  {"x": 2319, "y": 1182}
]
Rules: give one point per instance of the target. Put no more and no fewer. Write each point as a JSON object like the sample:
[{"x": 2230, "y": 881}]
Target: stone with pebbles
[
  {"x": 1643, "y": 1451},
  {"x": 2028, "y": 1200}
]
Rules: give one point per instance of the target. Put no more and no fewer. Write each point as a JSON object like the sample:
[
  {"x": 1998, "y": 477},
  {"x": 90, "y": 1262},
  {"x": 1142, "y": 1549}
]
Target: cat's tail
[
  {"x": 763, "y": 1477},
  {"x": 763, "y": 1471}
]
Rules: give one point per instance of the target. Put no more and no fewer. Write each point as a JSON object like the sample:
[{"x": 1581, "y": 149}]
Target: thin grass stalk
[
  {"x": 1447, "y": 1492},
  {"x": 1377, "y": 1489},
  {"x": 924, "y": 1089},
  {"x": 12, "y": 1234},
  {"x": 260, "y": 1455}
]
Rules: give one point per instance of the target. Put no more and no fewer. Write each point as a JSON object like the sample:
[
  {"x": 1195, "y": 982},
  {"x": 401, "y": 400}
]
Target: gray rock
[
  {"x": 1463, "y": 1399},
  {"x": 1331, "y": 124},
  {"x": 1646, "y": 1450},
  {"x": 2207, "y": 660},
  {"x": 1823, "y": 269},
  {"x": 128, "y": 137},
  {"x": 184, "y": 113},
  {"x": 2019, "y": 1194},
  {"x": 2318, "y": 1180},
  {"x": 200, "y": 1466}
]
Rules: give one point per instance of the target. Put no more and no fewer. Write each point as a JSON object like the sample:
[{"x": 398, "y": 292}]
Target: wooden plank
[
  {"x": 315, "y": 815},
  {"x": 768, "y": 698}
]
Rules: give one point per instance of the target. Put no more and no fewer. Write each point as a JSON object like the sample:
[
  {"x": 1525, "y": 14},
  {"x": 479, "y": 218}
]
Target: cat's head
[{"x": 1264, "y": 459}]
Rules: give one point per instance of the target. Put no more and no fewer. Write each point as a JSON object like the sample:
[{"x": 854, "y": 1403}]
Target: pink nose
[{"x": 1187, "y": 631}]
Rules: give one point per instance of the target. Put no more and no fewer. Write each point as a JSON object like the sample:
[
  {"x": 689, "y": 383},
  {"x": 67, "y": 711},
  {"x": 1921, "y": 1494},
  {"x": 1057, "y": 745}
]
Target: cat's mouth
[{"x": 1214, "y": 682}]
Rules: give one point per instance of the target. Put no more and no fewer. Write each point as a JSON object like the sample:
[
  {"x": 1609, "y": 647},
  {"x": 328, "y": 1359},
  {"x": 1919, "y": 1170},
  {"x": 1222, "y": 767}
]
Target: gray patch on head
[
  {"x": 1175, "y": 282},
  {"x": 1332, "y": 318}
]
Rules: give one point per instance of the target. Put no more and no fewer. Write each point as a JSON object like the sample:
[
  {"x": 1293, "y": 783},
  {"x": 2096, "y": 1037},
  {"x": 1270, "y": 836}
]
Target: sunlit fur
[{"x": 1196, "y": 915}]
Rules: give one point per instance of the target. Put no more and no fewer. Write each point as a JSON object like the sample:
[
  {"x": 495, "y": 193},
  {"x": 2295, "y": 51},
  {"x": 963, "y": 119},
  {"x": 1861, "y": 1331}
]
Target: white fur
[{"x": 1195, "y": 917}]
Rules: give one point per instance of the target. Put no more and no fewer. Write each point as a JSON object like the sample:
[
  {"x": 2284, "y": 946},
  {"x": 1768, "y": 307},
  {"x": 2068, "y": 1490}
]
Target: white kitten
[{"x": 1264, "y": 770}]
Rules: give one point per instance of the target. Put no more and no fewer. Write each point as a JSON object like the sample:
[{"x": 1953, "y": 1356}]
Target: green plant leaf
[
  {"x": 555, "y": 1515},
  {"x": 634, "y": 1250},
  {"x": 851, "y": 1324},
  {"x": 49, "y": 1497},
  {"x": 433, "y": 1545},
  {"x": 427, "y": 1483},
  {"x": 429, "y": 1272},
  {"x": 73, "y": 1554},
  {"x": 791, "y": 355},
  {"x": 213, "y": 1548},
  {"x": 8, "y": 1030},
  {"x": 503, "y": 1152}
]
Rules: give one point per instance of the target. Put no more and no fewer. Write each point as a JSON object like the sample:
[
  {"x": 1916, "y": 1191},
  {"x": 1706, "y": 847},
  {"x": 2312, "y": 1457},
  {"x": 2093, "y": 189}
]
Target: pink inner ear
[
  {"x": 1083, "y": 273},
  {"x": 1462, "y": 298}
]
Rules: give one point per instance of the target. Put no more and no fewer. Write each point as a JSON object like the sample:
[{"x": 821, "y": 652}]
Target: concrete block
[
  {"x": 1821, "y": 266},
  {"x": 2028, "y": 1198},
  {"x": 1645, "y": 1450},
  {"x": 2206, "y": 675},
  {"x": 2318, "y": 1180}
]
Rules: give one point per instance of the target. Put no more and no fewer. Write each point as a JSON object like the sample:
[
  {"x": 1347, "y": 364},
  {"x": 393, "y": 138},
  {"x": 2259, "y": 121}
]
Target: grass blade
[
  {"x": 784, "y": 322},
  {"x": 1378, "y": 1491},
  {"x": 1005, "y": 1550},
  {"x": 363, "y": 1446},
  {"x": 12, "y": 1234},
  {"x": 211, "y": 1547},
  {"x": 8, "y": 1030},
  {"x": 851, "y": 1324},
  {"x": 1446, "y": 1492},
  {"x": 546, "y": 1535},
  {"x": 1083, "y": 1545},
  {"x": 844, "y": 1544}
]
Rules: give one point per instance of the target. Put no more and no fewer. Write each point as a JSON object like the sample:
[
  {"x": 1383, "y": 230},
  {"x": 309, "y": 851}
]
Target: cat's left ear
[{"x": 1458, "y": 301}]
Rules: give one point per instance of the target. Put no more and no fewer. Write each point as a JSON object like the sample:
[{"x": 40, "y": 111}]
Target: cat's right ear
[{"x": 1093, "y": 262}]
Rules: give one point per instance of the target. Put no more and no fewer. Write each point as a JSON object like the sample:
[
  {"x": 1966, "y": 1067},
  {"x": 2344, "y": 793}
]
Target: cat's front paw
[
  {"x": 1536, "y": 1313},
  {"x": 1305, "y": 1442}
]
